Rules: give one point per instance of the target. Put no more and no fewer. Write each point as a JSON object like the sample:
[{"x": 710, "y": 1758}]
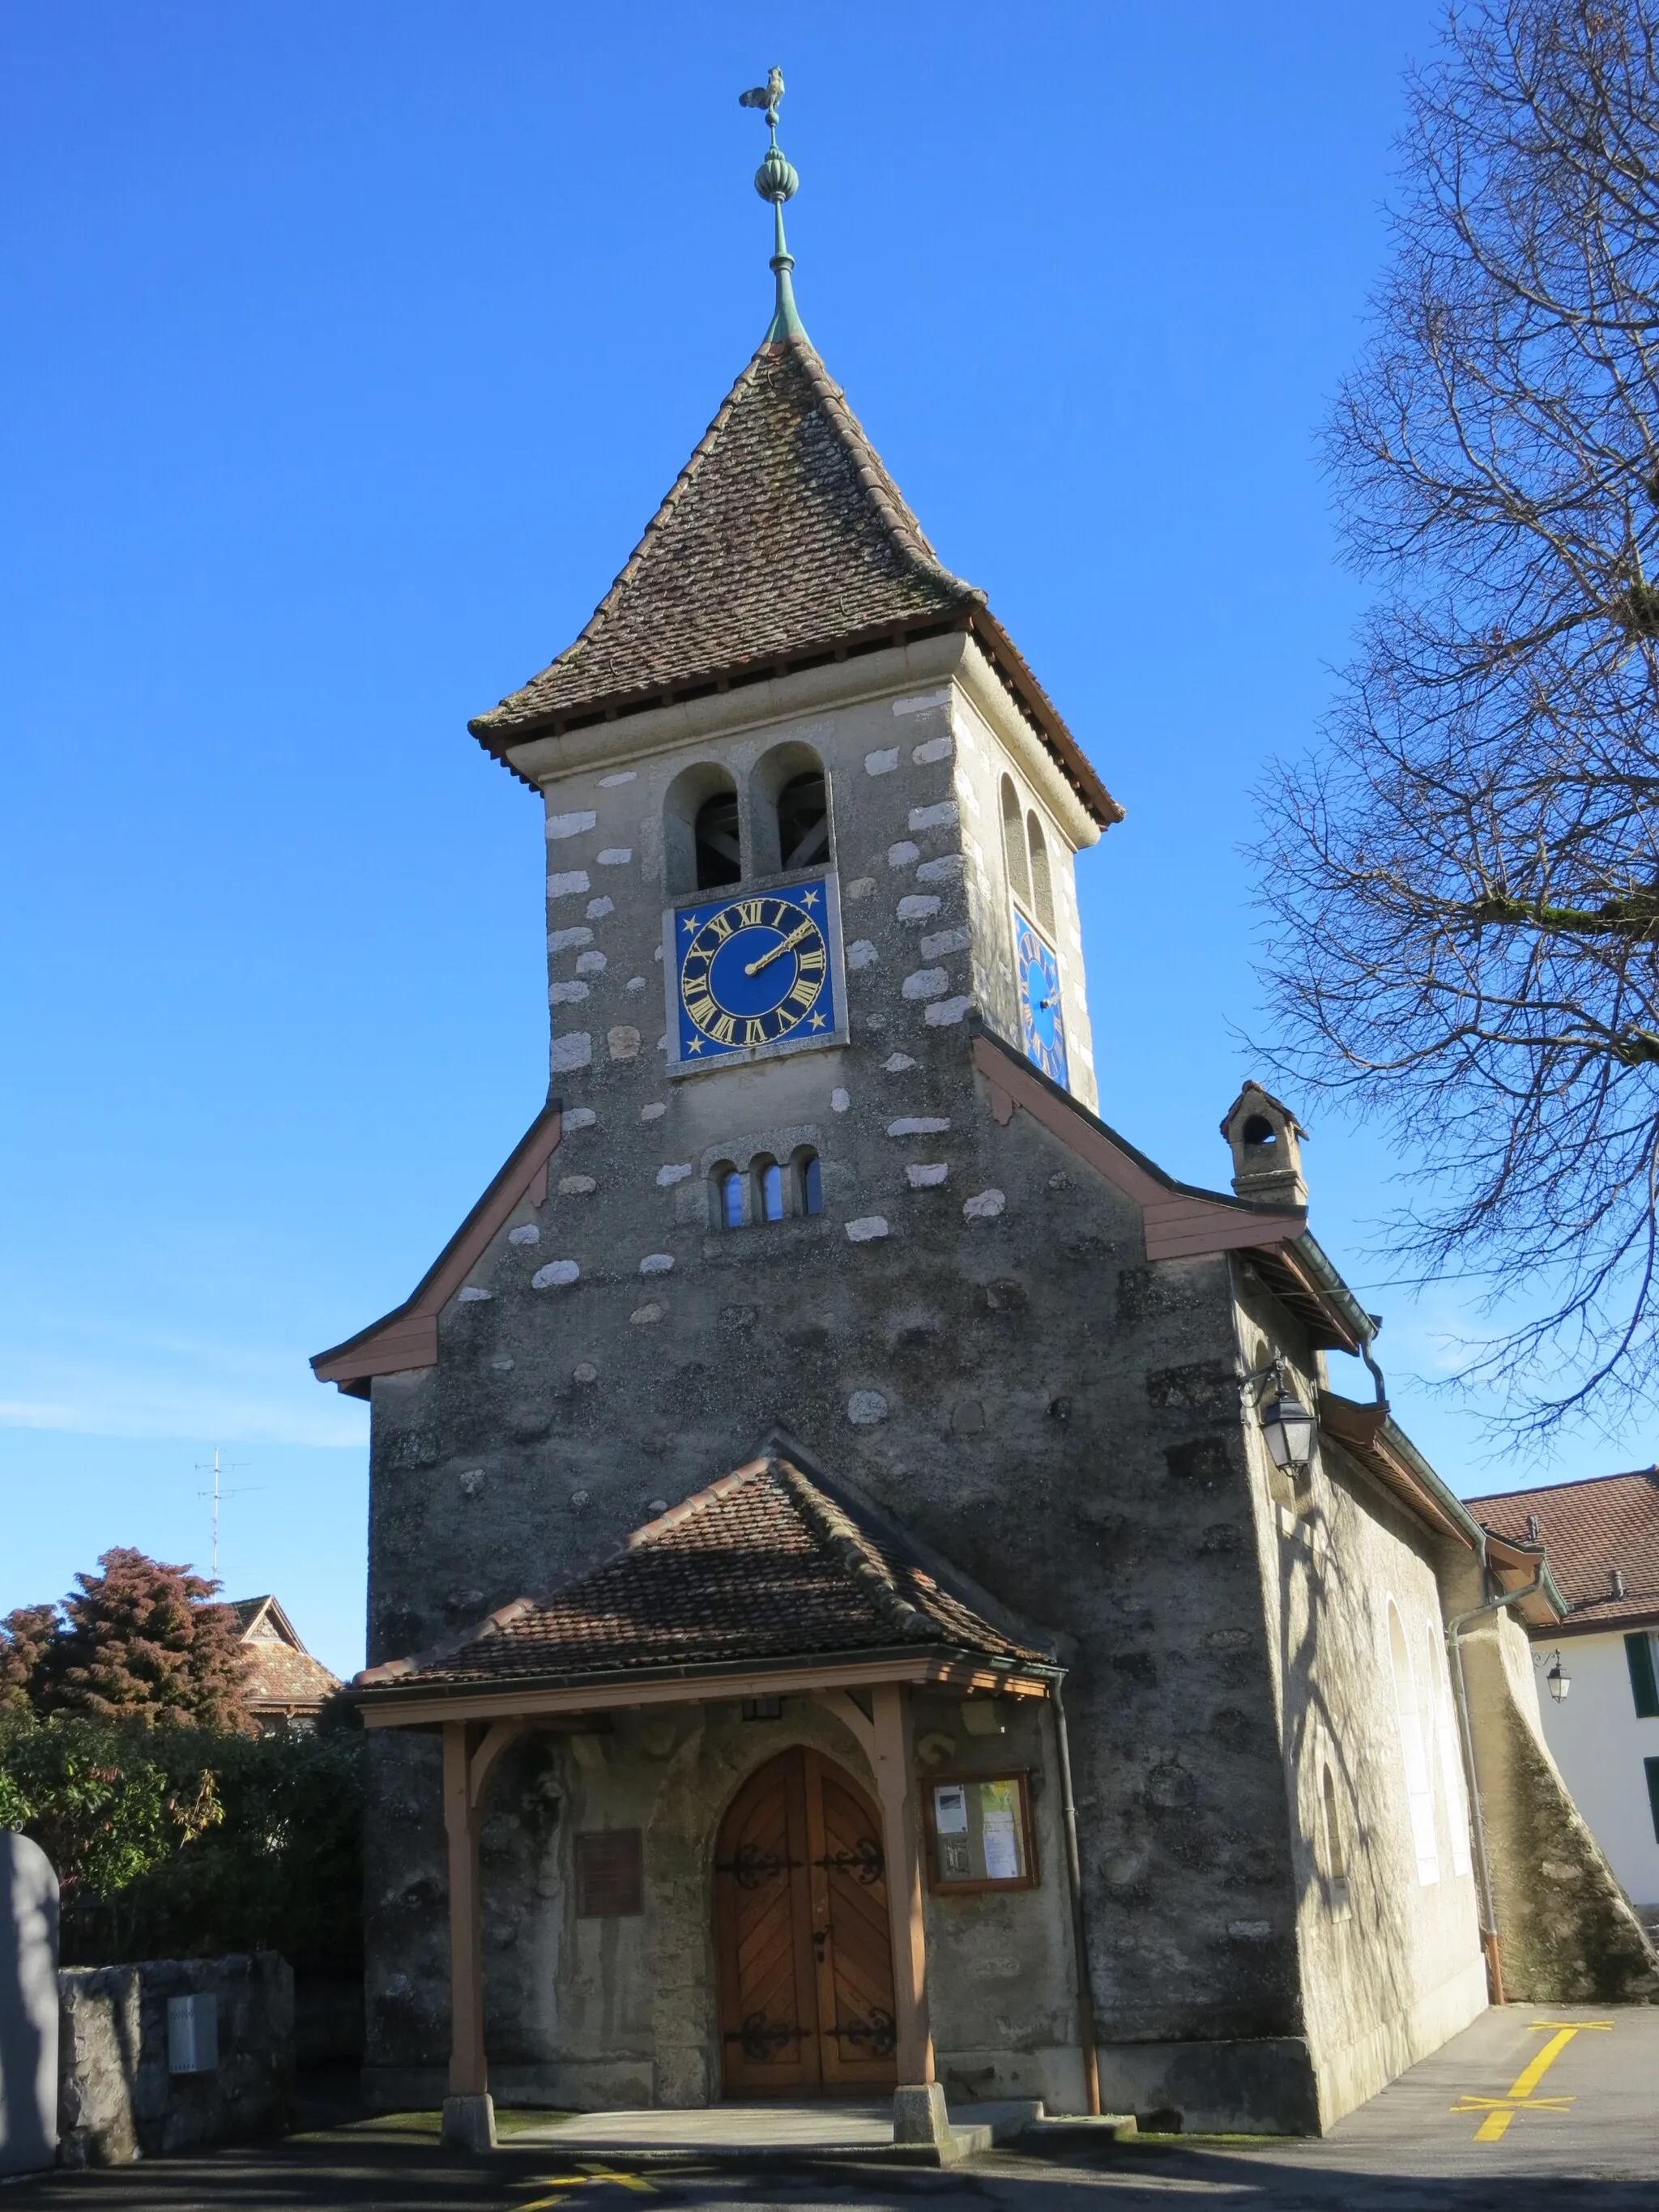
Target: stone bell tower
[{"x": 786, "y": 691}]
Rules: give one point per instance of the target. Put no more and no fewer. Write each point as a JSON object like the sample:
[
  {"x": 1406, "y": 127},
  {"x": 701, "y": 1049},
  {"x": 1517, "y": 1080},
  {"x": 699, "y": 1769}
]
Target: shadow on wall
[{"x": 28, "y": 2007}]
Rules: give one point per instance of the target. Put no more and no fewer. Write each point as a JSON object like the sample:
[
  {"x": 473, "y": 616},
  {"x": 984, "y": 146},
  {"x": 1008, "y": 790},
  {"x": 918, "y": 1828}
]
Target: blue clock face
[
  {"x": 1042, "y": 1028},
  {"x": 754, "y": 971}
]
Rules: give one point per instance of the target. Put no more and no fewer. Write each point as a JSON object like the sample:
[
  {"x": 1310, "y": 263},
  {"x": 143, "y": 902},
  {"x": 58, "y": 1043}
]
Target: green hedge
[{"x": 179, "y": 1843}]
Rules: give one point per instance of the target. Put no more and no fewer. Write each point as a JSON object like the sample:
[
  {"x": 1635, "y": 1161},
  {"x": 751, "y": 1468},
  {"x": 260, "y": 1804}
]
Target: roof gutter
[
  {"x": 1448, "y": 1500},
  {"x": 1364, "y": 1326}
]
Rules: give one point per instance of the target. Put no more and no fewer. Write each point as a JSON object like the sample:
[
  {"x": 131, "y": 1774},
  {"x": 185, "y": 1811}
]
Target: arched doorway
[{"x": 801, "y": 1930}]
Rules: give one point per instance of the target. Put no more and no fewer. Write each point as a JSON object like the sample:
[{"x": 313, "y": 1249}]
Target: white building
[{"x": 1598, "y": 1672}]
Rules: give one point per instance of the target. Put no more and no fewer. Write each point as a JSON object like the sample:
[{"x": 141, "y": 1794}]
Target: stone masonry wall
[
  {"x": 118, "y": 2100},
  {"x": 970, "y": 1332}
]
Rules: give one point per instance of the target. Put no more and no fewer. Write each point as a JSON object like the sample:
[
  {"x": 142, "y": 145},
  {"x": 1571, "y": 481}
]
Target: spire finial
[{"x": 776, "y": 180}]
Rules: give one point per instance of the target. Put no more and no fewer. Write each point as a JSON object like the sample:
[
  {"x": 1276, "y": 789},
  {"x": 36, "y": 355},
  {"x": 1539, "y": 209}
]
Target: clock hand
[{"x": 781, "y": 947}]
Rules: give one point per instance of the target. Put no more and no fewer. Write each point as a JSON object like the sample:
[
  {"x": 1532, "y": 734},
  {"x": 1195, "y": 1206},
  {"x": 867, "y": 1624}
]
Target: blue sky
[{"x": 351, "y": 349}]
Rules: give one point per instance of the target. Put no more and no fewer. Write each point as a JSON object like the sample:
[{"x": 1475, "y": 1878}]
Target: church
[{"x": 870, "y": 1587}]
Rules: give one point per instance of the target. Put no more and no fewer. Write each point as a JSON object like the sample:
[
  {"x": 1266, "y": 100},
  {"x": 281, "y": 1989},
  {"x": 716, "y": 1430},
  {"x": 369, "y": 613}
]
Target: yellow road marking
[
  {"x": 1500, "y": 2111},
  {"x": 588, "y": 2176},
  {"x": 1529, "y": 2079}
]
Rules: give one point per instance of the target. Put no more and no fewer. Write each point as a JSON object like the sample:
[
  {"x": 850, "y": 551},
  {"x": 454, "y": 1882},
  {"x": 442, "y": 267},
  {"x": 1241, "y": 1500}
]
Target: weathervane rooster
[
  {"x": 775, "y": 181},
  {"x": 765, "y": 95}
]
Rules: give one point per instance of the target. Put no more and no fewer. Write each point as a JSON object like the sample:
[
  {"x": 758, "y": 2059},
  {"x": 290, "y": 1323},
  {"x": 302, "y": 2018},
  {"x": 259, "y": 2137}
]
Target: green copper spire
[{"x": 776, "y": 180}]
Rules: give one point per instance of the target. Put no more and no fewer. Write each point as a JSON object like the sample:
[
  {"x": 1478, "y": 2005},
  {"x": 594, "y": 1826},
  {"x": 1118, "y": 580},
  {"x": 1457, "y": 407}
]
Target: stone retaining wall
[{"x": 118, "y": 2099}]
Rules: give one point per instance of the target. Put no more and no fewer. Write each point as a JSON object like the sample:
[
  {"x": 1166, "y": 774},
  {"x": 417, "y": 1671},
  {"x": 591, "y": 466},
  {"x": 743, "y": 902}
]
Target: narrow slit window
[
  {"x": 769, "y": 1190},
  {"x": 720, "y": 855},
  {"x": 808, "y": 1183},
  {"x": 1336, "y": 1850},
  {"x": 726, "y": 1197},
  {"x": 804, "y": 820}
]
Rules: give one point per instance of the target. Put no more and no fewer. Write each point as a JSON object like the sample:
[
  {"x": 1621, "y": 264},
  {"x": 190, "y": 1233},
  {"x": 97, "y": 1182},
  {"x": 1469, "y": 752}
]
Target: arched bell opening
[
  {"x": 1014, "y": 859},
  {"x": 789, "y": 808},
  {"x": 703, "y": 845},
  {"x": 1043, "y": 887}
]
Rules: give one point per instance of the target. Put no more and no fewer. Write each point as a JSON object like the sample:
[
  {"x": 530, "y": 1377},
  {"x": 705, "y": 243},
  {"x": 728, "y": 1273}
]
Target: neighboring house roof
[
  {"x": 783, "y": 540},
  {"x": 281, "y": 1672},
  {"x": 765, "y": 1565},
  {"x": 1592, "y": 1530}
]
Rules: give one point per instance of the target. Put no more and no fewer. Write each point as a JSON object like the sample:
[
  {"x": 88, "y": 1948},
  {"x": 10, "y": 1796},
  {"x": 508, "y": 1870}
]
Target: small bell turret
[{"x": 1266, "y": 1138}]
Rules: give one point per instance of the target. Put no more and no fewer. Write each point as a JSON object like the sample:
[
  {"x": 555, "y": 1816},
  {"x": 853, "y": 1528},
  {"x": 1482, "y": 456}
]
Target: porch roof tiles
[{"x": 764, "y": 1565}]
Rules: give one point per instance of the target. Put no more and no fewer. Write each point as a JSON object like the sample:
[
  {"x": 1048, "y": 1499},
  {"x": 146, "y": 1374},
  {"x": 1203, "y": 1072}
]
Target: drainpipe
[
  {"x": 1085, "y": 1996},
  {"x": 1465, "y": 1737}
]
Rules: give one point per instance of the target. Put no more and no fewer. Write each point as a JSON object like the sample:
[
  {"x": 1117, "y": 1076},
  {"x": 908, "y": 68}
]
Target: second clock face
[
  {"x": 1042, "y": 1028},
  {"x": 753, "y": 970}
]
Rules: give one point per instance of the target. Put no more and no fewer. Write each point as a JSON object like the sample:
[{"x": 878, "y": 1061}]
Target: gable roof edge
[{"x": 407, "y": 1337}]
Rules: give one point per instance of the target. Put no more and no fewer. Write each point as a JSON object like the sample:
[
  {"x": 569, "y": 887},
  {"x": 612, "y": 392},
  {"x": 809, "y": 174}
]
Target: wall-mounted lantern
[
  {"x": 1289, "y": 1428},
  {"x": 1558, "y": 1679}
]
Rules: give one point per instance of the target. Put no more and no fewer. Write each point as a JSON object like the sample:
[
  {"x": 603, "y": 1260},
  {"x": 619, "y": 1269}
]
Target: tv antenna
[{"x": 217, "y": 1468}]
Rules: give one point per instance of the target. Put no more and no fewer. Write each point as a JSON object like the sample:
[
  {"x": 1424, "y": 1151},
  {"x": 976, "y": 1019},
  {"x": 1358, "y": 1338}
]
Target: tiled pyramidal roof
[
  {"x": 782, "y": 533},
  {"x": 762, "y": 1565},
  {"x": 1589, "y": 1530}
]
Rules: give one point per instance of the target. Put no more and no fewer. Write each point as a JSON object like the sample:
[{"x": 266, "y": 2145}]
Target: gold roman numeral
[{"x": 702, "y": 1009}]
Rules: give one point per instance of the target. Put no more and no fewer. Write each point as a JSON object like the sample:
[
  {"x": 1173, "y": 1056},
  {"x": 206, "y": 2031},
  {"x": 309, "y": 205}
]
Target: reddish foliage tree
[
  {"x": 141, "y": 1642},
  {"x": 26, "y": 1638}
]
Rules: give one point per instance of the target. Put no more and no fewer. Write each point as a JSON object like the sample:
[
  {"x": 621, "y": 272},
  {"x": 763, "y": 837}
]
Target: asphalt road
[{"x": 1528, "y": 2108}]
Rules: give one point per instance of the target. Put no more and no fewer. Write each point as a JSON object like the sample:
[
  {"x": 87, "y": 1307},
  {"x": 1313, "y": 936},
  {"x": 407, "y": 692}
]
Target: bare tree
[{"x": 1465, "y": 885}]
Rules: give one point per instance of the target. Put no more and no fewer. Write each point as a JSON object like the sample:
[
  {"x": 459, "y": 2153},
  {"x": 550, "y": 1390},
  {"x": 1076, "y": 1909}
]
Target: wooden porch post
[
  {"x": 902, "y": 1827},
  {"x": 469, "y": 2115}
]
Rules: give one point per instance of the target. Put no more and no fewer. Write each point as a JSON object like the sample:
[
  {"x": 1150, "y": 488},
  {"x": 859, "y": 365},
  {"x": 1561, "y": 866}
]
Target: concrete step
[{"x": 770, "y": 2134}]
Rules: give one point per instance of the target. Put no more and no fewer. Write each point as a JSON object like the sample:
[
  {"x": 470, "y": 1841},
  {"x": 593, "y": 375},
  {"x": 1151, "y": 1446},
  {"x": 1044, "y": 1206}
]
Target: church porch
[{"x": 751, "y": 1842}]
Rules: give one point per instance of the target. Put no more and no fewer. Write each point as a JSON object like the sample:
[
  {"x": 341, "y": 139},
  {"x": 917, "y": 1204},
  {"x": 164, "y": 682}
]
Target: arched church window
[
  {"x": 769, "y": 1190},
  {"x": 701, "y": 843},
  {"x": 809, "y": 1182},
  {"x": 1042, "y": 888},
  {"x": 790, "y": 808},
  {"x": 1413, "y": 1751},
  {"x": 1014, "y": 844},
  {"x": 726, "y": 1197}
]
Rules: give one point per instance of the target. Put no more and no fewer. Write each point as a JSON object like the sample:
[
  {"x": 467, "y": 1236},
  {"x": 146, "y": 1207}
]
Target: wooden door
[{"x": 805, "y": 1953}]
